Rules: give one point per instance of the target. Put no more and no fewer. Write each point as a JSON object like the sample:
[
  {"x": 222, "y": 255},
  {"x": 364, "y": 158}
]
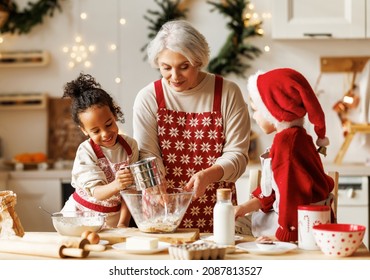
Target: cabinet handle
[{"x": 317, "y": 34}]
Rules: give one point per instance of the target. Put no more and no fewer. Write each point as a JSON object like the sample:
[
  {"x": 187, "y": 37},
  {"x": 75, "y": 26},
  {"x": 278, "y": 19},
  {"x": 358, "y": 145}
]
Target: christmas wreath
[
  {"x": 14, "y": 20},
  {"x": 235, "y": 51}
]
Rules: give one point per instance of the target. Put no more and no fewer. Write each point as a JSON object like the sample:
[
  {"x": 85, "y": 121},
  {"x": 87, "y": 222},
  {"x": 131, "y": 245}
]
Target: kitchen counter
[
  {"x": 111, "y": 254},
  {"x": 64, "y": 174},
  {"x": 345, "y": 169}
]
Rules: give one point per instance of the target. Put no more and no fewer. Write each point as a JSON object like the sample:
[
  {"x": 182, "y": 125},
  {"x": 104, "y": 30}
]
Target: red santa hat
[{"x": 284, "y": 96}]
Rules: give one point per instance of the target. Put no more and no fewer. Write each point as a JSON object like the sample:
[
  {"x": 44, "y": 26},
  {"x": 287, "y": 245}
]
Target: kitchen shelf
[
  {"x": 23, "y": 101},
  {"x": 24, "y": 59}
]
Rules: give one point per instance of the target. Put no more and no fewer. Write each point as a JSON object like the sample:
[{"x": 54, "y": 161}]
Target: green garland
[
  {"x": 170, "y": 10},
  {"x": 231, "y": 58},
  {"x": 21, "y": 22}
]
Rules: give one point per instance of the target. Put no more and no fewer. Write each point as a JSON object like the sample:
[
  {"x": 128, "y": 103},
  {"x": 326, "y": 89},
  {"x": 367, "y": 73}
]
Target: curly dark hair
[{"x": 84, "y": 93}]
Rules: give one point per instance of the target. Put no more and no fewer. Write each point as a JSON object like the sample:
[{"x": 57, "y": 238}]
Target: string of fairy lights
[{"x": 79, "y": 53}]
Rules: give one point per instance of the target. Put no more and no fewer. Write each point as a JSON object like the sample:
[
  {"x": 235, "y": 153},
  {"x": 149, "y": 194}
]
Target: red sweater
[{"x": 299, "y": 176}]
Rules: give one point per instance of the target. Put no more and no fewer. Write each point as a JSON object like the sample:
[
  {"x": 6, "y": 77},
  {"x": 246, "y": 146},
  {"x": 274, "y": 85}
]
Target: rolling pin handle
[
  {"x": 73, "y": 252},
  {"x": 94, "y": 247}
]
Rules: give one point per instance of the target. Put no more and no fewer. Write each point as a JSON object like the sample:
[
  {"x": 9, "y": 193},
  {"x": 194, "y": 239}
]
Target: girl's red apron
[
  {"x": 191, "y": 142},
  {"x": 84, "y": 201}
]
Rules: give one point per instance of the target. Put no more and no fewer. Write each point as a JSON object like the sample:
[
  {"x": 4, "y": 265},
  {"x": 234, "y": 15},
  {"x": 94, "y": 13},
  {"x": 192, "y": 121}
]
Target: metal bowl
[{"x": 75, "y": 223}]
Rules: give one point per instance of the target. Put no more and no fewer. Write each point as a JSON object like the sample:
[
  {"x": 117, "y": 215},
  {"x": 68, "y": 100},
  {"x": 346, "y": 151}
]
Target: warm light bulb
[
  {"x": 65, "y": 49},
  {"x": 122, "y": 21},
  {"x": 87, "y": 64},
  {"x": 73, "y": 55},
  {"x": 248, "y": 16},
  {"x": 267, "y": 48},
  {"x": 260, "y": 31},
  {"x": 78, "y": 39},
  {"x": 91, "y": 48},
  {"x": 83, "y": 15},
  {"x": 71, "y": 64},
  {"x": 117, "y": 80},
  {"x": 1, "y": 40},
  {"x": 250, "y": 6},
  {"x": 113, "y": 47}
]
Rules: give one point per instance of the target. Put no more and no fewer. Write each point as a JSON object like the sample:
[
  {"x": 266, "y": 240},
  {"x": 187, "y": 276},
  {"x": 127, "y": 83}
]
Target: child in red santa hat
[{"x": 292, "y": 171}]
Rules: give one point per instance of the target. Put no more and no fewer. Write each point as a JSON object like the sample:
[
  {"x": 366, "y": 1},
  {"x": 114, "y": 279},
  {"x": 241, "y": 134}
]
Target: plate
[
  {"x": 122, "y": 247},
  {"x": 211, "y": 237},
  {"x": 280, "y": 248}
]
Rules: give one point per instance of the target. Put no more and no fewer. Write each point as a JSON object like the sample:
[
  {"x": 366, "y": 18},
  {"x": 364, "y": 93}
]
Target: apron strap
[
  {"x": 217, "y": 94},
  {"x": 125, "y": 145},
  {"x": 159, "y": 94},
  {"x": 97, "y": 150}
]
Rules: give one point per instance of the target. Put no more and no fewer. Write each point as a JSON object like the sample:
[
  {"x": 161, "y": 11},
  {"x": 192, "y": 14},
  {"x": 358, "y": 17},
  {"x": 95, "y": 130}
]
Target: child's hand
[
  {"x": 124, "y": 178},
  {"x": 239, "y": 211}
]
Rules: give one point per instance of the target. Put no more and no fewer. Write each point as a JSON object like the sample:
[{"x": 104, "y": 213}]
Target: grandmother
[{"x": 195, "y": 122}]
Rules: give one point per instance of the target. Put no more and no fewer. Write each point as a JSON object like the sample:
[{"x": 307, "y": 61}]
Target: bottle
[{"x": 223, "y": 219}]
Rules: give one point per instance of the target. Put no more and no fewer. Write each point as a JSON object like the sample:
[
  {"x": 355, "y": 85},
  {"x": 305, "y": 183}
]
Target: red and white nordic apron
[
  {"x": 84, "y": 201},
  {"x": 191, "y": 142}
]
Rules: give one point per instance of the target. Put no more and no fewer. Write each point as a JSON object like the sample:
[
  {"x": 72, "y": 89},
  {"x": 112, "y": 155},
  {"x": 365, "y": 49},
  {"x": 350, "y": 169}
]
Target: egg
[
  {"x": 85, "y": 234},
  {"x": 93, "y": 238}
]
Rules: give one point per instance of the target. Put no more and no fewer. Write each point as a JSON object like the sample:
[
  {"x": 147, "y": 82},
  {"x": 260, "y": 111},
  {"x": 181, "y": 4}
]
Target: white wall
[{"x": 101, "y": 28}]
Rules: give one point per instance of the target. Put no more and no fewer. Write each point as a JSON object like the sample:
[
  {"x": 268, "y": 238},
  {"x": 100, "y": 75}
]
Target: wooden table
[{"x": 111, "y": 254}]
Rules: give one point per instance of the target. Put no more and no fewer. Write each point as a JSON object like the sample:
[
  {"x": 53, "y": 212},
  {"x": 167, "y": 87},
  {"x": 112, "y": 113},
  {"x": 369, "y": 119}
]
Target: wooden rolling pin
[
  {"x": 70, "y": 241},
  {"x": 41, "y": 249}
]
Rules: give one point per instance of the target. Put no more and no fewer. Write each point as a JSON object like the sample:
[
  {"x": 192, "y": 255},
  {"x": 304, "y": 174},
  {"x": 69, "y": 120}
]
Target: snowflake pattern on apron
[
  {"x": 191, "y": 142},
  {"x": 84, "y": 201}
]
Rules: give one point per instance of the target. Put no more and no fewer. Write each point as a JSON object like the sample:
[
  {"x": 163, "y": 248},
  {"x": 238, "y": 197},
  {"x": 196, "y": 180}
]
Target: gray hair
[{"x": 181, "y": 37}]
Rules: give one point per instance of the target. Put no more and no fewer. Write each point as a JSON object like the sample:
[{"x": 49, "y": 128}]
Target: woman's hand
[
  {"x": 124, "y": 178},
  {"x": 200, "y": 180},
  {"x": 197, "y": 183}
]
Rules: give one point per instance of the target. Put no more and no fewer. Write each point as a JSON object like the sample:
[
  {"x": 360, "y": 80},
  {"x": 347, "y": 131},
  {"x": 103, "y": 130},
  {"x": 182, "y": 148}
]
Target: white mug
[{"x": 308, "y": 216}]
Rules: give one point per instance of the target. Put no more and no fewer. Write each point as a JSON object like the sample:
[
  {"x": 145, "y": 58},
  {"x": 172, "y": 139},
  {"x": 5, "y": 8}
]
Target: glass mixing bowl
[
  {"x": 75, "y": 223},
  {"x": 156, "y": 212}
]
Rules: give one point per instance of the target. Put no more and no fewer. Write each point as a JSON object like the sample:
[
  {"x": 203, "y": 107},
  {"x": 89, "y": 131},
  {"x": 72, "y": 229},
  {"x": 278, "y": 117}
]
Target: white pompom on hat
[{"x": 284, "y": 95}]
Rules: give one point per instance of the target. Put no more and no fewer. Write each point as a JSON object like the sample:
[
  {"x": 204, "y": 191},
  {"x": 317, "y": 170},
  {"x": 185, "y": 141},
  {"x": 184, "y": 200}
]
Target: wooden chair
[
  {"x": 335, "y": 176},
  {"x": 255, "y": 179}
]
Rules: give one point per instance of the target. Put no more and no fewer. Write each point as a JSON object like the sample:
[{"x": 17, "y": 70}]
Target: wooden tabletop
[{"x": 110, "y": 253}]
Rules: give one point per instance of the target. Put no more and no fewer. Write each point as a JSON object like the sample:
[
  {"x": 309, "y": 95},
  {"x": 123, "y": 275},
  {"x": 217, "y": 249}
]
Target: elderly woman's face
[{"x": 178, "y": 71}]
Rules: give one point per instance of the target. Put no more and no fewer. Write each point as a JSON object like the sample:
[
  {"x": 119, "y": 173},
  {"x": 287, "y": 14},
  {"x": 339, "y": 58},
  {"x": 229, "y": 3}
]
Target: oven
[{"x": 353, "y": 202}]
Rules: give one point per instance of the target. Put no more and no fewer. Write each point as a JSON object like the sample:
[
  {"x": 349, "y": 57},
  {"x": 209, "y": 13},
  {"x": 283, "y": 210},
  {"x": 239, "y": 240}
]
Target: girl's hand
[
  {"x": 239, "y": 211},
  {"x": 124, "y": 178}
]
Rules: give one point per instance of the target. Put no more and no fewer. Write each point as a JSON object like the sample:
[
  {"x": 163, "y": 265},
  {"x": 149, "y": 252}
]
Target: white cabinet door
[
  {"x": 298, "y": 19},
  {"x": 32, "y": 193}
]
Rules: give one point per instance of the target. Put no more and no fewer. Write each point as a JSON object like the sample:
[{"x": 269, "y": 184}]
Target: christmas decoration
[
  {"x": 231, "y": 58},
  {"x": 243, "y": 24},
  {"x": 170, "y": 10},
  {"x": 14, "y": 20}
]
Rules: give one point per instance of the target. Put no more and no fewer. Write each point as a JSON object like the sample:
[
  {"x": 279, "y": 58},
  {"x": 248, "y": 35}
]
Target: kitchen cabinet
[{"x": 301, "y": 19}]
